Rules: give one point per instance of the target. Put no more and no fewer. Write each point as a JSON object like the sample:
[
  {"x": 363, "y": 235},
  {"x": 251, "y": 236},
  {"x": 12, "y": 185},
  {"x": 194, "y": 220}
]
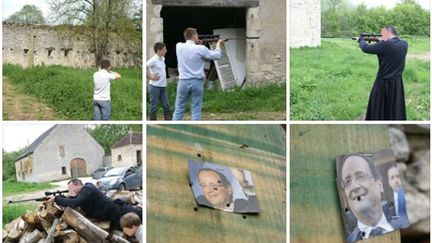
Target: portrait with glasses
[
  {"x": 369, "y": 205},
  {"x": 224, "y": 188}
]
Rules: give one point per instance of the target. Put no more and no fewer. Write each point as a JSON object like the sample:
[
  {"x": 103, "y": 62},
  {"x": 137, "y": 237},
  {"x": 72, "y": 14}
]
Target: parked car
[
  {"x": 123, "y": 178},
  {"x": 99, "y": 172}
]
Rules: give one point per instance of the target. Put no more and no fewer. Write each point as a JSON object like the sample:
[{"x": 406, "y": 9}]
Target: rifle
[
  {"x": 40, "y": 199},
  {"x": 214, "y": 38},
  {"x": 369, "y": 37}
]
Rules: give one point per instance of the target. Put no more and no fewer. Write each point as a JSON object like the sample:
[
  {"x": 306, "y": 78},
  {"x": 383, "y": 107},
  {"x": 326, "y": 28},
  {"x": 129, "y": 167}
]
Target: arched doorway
[{"x": 78, "y": 167}]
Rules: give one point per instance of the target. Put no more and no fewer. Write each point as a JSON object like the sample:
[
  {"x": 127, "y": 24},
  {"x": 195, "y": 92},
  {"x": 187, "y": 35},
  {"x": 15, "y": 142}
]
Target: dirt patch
[
  {"x": 17, "y": 106},
  {"x": 419, "y": 56}
]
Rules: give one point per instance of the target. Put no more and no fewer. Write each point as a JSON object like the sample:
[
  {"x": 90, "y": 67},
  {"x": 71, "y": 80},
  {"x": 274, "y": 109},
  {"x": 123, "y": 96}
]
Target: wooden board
[
  {"x": 171, "y": 217},
  {"x": 314, "y": 204}
]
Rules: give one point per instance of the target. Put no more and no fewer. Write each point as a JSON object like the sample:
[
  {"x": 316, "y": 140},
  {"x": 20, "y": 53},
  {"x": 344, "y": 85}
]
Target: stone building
[
  {"x": 127, "y": 151},
  {"x": 265, "y": 59},
  {"x": 305, "y": 23},
  {"x": 32, "y": 45},
  {"x": 63, "y": 151}
]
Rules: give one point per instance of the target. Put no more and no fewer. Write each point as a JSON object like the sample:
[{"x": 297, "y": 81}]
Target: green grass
[
  {"x": 333, "y": 81},
  {"x": 267, "y": 98},
  {"x": 13, "y": 211},
  {"x": 69, "y": 91},
  {"x": 14, "y": 188}
]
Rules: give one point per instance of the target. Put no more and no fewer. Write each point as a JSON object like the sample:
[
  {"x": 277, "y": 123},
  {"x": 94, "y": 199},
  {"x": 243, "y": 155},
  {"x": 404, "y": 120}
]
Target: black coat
[
  {"x": 387, "y": 98},
  {"x": 95, "y": 204}
]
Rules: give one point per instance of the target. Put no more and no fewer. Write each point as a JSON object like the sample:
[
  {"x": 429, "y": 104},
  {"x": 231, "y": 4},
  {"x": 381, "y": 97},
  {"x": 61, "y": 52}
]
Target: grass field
[
  {"x": 13, "y": 211},
  {"x": 69, "y": 91},
  {"x": 333, "y": 81},
  {"x": 243, "y": 104},
  {"x": 13, "y": 188}
]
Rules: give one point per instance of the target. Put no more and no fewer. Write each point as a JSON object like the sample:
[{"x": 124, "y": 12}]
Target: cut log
[
  {"x": 116, "y": 238},
  {"x": 61, "y": 227},
  {"x": 4, "y": 234},
  {"x": 46, "y": 215},
  {"x": 32, "y": 237},
  {"x": 14, "y": 223},
  {"x": 14, "y": 235},
  {"x": 51, "y": 231},
  {"x": 67, "y": 236},
  {"x": 84, "y": 227},
  {"x": 54, "y": 209},
  {"x": 32, "y": 220},
  {"x": 105, "y": 225}
]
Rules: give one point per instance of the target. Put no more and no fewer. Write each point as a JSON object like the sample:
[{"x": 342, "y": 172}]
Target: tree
[
  {"x": 107, "y": 135},
  {"x": 99, "y": 18},
  {"x": 29, "y": 14},
  {"x": 9, "y": 164}
]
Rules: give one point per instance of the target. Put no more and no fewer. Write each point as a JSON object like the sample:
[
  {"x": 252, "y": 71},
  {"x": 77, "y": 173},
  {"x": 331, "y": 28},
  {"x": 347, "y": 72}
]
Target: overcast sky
[
  {"x": 18, "y": 136},
  {"x": 12, "y": 6}
]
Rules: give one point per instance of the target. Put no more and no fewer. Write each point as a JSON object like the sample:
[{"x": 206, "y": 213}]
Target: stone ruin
[{"x": 33, "y": 45}]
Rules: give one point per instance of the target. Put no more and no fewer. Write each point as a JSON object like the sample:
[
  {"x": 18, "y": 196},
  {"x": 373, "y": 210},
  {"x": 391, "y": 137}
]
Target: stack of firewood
[{"x": 52, "y": 223}]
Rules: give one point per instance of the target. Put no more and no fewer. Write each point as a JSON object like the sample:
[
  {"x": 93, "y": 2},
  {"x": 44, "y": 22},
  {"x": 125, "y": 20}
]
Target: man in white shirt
[
  {"x": 101, "y": 95},
  {"x": 362, "y": 185},
  {"x": 157, "y": 74},
  {"x": 191, "y": 58}
]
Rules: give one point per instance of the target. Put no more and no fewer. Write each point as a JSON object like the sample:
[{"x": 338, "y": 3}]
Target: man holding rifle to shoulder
[
  {"x": 387, "y": 100},
  {"x": 191, "y": 58}
]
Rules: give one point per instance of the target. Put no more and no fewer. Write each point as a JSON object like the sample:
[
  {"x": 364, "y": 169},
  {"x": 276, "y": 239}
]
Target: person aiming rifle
[
  {"x": 387, "y": 99},
  {"x": 191, "y": 58}
]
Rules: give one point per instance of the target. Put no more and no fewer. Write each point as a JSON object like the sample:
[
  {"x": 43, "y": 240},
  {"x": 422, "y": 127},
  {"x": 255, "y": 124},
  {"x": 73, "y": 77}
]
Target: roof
[
  {"x": 32, "y": 147},
  {"x": 130, "y": 138}
]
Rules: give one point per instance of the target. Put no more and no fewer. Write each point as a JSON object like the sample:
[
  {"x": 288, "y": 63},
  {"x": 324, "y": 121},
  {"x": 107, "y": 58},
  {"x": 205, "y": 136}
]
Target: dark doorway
[{"x": 177, "y": 19}]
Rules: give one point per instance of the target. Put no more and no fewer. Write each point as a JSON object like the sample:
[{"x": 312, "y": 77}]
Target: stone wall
[
  {"x": 32, "y": 45},
  {"x": 127, "y": 155},
  {"x": 305, "y": 23},
  {"x": 265, "y": 57},
  {"x": 411, "y": 146}
]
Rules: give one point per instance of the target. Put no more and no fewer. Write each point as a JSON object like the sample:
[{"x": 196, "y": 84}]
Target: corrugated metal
[{"x": 170, "y": 203}]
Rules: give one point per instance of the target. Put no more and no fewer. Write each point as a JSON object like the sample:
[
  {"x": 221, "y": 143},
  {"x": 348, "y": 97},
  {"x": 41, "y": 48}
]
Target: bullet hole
[
  {"x": 228, "y": 205},
  {"x": 34, "y": 36},
  {"x": 195, "y": 209},
  {"x": 190, "y": 184},
  {"x": 26, "y": 51},
  {"x": 358, "y": 198},
  {"x": 346, "y": 210},
  {"x": 198, "y": 154},
  {"x": 244, "y": 216}
]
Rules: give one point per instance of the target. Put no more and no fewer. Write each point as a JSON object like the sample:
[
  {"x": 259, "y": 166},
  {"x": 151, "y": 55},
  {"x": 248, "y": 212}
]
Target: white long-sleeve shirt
[{"x": 191, "y": 58}]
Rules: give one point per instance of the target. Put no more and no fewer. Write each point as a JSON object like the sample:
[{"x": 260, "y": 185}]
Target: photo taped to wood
[
  {"x": 220, "y": 187},
  {"x": 371, "y": 194}
]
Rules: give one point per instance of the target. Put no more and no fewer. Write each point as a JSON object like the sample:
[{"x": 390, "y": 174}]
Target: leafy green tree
[
  {"x": 9, "y": 164},
  {"x": 99, "y": 18},
  {"x": 29, "y": 14},
  {"x": 108, "y": 134}
]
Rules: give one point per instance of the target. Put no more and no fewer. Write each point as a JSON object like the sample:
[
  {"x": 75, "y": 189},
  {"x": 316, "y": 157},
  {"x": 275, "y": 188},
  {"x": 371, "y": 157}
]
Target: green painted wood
[
  {"x": 314, "y": 203},
  {"x": 170, "y": 203}
]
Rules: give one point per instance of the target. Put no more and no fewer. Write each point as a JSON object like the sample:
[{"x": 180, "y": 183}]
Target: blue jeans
[
  {"x": 158, "y": 94},
  {"x": 194, "y": 88},
  {"x": 102, "y": 110}
]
